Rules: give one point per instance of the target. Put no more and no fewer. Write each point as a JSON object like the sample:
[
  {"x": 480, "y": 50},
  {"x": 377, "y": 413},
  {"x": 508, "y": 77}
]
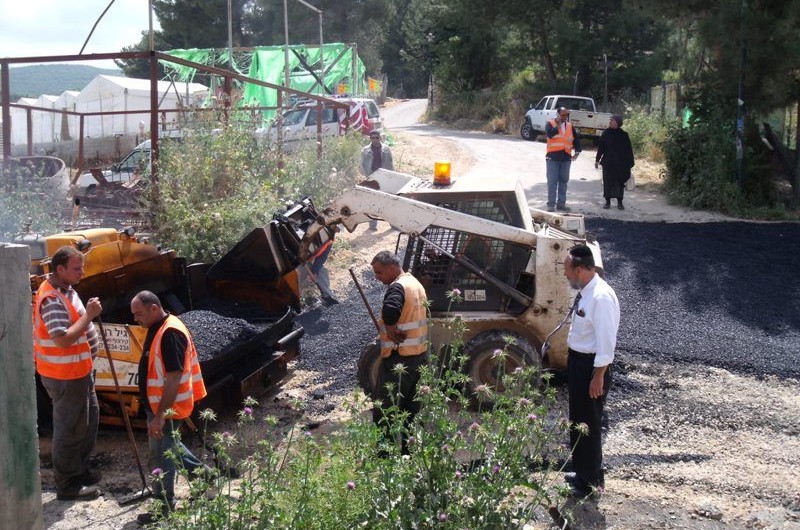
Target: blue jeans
[
  {"x": 164, "y": 487},
  {"x": 557, "y": 178},
  {"x": 320, "y": 273}
]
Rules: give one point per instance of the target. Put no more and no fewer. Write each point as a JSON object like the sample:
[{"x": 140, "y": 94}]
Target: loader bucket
[
  {"x": 265, "y": 254},
  {"x": 268, "y": 253}
]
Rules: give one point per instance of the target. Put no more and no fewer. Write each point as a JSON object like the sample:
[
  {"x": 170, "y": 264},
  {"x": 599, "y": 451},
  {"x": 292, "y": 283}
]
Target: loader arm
[{"x": 360, "y": 204}]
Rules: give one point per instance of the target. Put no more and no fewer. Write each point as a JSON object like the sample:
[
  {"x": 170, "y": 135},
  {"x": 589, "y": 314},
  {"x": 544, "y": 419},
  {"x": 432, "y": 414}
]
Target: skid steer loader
[{"x": 481, "y": 238}]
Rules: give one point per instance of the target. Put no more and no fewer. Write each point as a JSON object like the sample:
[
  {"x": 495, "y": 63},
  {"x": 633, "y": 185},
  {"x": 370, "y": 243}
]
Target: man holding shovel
[
  {"x": 170, "y": 384},
  {"x": 403, "y": 339}
]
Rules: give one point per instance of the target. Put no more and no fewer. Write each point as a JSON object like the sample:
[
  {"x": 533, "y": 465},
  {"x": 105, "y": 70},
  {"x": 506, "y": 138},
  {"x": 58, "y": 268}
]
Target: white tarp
[
  {"x": 109, "y": 93},
  {"x": 19, "y": 122},
  {"x": 44, "y": 123},
  {"x": 67, "y": 126}
]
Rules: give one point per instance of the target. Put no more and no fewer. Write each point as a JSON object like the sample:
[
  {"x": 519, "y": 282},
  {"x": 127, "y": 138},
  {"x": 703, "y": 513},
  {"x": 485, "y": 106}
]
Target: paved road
[
  {"x": 722, "y": 294},
  {"x": 511, "y": 155}
]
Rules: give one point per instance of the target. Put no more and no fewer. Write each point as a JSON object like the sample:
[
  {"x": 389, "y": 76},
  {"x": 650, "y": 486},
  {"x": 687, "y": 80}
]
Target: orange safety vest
[
  {"x": 561, "y": 142},
  {"x": 322, "y": 249},
  {"x": 72, "y": 362},
  {"x": 190, "y": 388},
  {"x": 413, "y": 320}
]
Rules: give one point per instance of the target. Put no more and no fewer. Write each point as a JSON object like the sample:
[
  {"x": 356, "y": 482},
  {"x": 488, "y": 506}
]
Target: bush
[
  {"x": 214, "y": 188},
  {"x": 28, "y": 196},
  {"x": 701, "y": 165},
  {"x": 463, "y": 470},
  {"x": 648, "y": 132}
]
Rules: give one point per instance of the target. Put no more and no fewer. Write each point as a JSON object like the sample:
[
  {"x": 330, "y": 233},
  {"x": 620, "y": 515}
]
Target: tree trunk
[{"x": 548, "y": 60}]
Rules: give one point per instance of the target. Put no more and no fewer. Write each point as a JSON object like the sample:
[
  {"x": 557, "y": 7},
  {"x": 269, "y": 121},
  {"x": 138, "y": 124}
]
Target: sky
[{"x": 60, "y": 27}]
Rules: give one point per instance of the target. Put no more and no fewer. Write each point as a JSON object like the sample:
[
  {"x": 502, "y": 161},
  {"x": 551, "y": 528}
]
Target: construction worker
[
  {"x": 561, "y": 141},
  {"x": 170, "y": 384},
  {"x": 314, "y": 269},
  {"x": 65, "y": 344},
  {"x": 403, "y": 341}
]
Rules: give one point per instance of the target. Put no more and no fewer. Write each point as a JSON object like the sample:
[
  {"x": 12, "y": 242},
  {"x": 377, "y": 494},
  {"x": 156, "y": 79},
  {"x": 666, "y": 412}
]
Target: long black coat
[{"x": 615, "y": 154}]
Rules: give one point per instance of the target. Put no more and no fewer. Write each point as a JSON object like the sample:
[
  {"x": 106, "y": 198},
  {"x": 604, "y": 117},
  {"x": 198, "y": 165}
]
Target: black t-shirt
[
  {"x": 173, "y": 350},
  {"x": 393, "y": 302}
]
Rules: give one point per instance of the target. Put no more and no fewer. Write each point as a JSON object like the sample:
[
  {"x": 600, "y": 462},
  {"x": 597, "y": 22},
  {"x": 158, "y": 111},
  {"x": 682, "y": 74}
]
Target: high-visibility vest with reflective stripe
[
  {"x": 72, "y": 362},
  {"x": 561, "y": 141},
  {"x": 190, "y": 388},
  {"x": 413, "y": 320}
]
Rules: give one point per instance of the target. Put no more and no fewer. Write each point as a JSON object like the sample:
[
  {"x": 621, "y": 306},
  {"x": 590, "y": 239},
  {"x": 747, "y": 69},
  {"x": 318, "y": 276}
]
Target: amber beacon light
[{"x": 441, "y": 173}]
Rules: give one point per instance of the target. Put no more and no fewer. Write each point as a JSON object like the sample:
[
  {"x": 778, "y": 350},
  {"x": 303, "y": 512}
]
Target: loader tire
[
  {"x": 369, "y": 369},
  {"x": 485, "y": 368}
]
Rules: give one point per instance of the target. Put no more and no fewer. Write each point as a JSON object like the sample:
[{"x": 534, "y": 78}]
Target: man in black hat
[{"x": 592, "y": 339}]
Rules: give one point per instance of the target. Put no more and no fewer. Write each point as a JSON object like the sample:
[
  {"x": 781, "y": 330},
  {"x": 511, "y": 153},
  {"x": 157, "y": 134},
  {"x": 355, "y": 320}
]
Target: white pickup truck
[{"x": 583, "y": 115}]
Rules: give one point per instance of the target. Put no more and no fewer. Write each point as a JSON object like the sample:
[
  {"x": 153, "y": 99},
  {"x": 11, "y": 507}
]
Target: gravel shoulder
[{"x": 693, "y": 441}]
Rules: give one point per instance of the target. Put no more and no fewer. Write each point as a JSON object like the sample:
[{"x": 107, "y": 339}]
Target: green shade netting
[{"x": 267, "y": 64}]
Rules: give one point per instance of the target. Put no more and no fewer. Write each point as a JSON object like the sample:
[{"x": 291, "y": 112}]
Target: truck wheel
[
  {"x": 484, "y": 368},
  {"x": 369, "y": 369},
  {"x": 527, "y": 132}
]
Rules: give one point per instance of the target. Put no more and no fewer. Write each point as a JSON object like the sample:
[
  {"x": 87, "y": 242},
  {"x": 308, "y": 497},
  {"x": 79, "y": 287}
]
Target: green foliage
[
  {"x": 29, "y": 193},
  {"x": 323, "y": 178},
  {"x": 701, "y": 162},
  {"x": 463, "y": 470},
  {"x": 212, "y": 189},
  {"x": 215, "y": 188},
  {"x": 648, "y": 132}
]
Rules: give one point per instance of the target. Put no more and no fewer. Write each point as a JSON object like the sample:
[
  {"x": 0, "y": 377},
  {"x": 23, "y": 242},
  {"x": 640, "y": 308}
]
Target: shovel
[{"x": 145, "y": 491}]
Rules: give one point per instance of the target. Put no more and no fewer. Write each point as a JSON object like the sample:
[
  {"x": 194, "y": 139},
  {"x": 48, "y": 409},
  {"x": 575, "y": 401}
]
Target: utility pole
[
  {"x": 286, "y": 49},
  {"x": 740, "y": 108},
  {"x": 321, "y": 55},
  {"x": 230, "y": 35}
]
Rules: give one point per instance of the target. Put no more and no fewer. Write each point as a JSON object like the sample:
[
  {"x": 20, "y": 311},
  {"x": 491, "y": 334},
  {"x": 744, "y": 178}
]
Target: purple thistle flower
[
  {"x": 157, "y": 471},
  {"x": 496, "y": 469},
  {"x": 532, "y": 417},
  {"x": 442, "y": 517},
  {"x": 351, "y": 485},
  {"x": 248, "y": 411},
  {"x": 457, "y": 291}
]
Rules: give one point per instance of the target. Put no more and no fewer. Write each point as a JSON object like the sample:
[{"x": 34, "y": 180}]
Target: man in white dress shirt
[{"x": 592, "y": 340}]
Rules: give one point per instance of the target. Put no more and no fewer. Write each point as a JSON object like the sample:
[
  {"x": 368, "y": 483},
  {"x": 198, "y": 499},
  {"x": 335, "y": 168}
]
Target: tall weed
[{"x": 482, "y": 470}]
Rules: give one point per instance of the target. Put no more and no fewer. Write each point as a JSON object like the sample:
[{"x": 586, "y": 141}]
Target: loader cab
[{"x": 502, "y": 259}]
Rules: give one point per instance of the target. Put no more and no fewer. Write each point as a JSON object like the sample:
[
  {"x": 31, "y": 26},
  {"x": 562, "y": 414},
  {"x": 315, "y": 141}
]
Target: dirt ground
[{"x": 703, "y": 474}]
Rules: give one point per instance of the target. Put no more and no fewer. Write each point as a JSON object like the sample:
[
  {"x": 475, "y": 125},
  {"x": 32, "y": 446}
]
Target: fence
[{"x": 665, "y": 98}]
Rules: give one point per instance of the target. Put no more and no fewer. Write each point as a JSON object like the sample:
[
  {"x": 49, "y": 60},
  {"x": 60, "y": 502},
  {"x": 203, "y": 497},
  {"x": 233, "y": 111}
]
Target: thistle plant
[{"x": 463, "y": 469}]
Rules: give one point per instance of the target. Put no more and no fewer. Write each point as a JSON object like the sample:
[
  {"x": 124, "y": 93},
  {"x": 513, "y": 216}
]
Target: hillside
[{"x": 33, "y": 81}]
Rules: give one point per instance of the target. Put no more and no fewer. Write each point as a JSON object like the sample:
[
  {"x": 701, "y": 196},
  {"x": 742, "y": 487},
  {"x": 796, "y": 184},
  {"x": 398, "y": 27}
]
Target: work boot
[
  {"x": 551, "y": 208},
  {"x": 90, "y": 478},
  {"x": 78, "y": 493},
  {"x": 329, "y": 300},
  {"x": 563, "y": 207},
  {"x": 607, "y": 205}
]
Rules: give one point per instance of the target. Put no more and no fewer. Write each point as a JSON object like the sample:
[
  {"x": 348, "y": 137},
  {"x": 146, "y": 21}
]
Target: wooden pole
[{"x": 20, "y": 484}]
